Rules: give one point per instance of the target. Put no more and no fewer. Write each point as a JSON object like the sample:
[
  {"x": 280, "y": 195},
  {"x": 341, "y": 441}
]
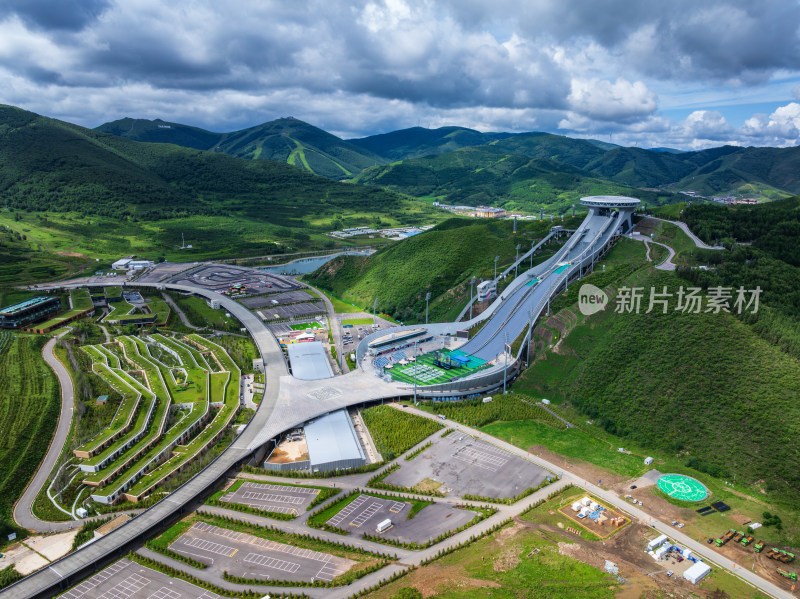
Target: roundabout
[{"x": 684, "y": 488}]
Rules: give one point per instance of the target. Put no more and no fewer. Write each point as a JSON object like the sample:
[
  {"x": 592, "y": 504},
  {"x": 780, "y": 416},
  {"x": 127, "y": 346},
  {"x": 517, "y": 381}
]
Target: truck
[
  {"x": 725, "y": 538},
  {"x": 772, "y": 553},
  {"x": 738, "y": 537},
  {"x": 758, "y": 547},
  {"x": 790, "y": 575},
  {"x": 785, "y": 556},
  {"x": 747, "y": 540}
]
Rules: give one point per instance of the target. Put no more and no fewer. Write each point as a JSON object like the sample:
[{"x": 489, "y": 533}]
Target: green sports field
[
  {"x": 429, "y": 374},
  {"x": 305, "y": 325},
  {"x": 684, "y": 488}
]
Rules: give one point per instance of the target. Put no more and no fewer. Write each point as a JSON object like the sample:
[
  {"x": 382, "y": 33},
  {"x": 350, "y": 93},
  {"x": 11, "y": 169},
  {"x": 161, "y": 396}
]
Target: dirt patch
[
  {"x": 427, "y": 485},
  {"x": 583, "y": 469},
  {"x": 72, "y": 254},
  {"x": 431, "y": 581},
  {"x": 506, "y": 560},
  {"x": 289, "y": 452}
]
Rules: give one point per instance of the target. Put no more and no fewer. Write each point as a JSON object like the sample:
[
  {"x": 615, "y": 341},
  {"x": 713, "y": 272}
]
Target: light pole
[
  {"x": 505, "y": 368},
  {"x": 427, "y": 299},
  {"x": 496, "y": 258},
  {"x": 516, "y": 260},
  {"x": 471, "y": 283},
  {"x": 533, "y": 243},
  {"x": 415, "y": 373},
  {"x": 374, "y": 307}
]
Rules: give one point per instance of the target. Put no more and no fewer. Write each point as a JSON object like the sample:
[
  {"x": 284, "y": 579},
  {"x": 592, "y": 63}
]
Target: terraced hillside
[{"x": 179, "y": 396}]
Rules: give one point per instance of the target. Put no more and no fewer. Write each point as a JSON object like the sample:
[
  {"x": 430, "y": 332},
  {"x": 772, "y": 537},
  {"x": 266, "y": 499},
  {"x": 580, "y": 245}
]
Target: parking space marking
[
  {"x": 397, "y": 507},
  {"x": 345, "y": 513},
  {"x": 210, "y": 546},
  {"x": 272, "y": 497},
  {"x": 482, "y": 459},
  {"x": 164, "y": 593},
  {"x": 271, "y": 562},
  {"x": 263, "y": 543},
  {"x": 370, "y": 511},
  {"x": 209, "y": 595},
  {"x": 283, "y": 488},
  {"x": 95, "y": 580},
  {"x": 127, "y": 588}
]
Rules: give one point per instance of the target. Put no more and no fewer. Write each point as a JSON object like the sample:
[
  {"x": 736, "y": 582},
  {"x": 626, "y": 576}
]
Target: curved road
[{"x": 23, "y": 515}]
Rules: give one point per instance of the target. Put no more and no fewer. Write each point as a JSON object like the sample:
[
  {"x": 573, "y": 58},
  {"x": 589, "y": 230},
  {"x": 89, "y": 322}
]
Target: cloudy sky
[{"x": 678, "y": 73}]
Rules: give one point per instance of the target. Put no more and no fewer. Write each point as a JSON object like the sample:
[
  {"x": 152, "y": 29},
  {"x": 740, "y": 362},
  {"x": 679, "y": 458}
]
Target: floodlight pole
[
  {"x": 533, "y": 243},
  {"x": 427, "y": 299},
  {"x": 415, "y": 373},
  {"x": 516, "y": 260},
  {"x": 505, "y": 368},
  {"x": 471, "y": 296}
]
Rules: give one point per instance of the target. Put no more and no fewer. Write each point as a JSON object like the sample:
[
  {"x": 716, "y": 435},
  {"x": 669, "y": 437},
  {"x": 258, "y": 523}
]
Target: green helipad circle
[{"x": 682, "y": 487}]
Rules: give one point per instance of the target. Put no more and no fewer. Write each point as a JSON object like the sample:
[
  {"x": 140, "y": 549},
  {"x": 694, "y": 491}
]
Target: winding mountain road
[{"x": 23, "y": 512}]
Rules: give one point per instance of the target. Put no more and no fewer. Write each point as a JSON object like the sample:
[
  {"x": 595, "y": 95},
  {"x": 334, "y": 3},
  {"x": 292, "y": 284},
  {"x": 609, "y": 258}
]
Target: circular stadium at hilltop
[
  {"x": 682, "y": 487},
  {"x": 619, "y": 202}
]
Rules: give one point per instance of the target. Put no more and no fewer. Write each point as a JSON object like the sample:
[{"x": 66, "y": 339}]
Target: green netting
[{"x": 684, "y": 488}]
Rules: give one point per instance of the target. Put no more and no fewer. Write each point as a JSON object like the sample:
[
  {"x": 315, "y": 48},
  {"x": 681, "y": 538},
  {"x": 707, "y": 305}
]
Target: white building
[
  {"x": 656, "y": 542},
  {"x": 486, "y": 290},
  {"x": 121, "y": 264},
  {"x": 697, "y": 572},
  {"x": 648, "y": 460}
]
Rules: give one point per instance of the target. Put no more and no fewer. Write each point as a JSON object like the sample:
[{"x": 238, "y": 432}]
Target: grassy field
[
  {"x": 395, "y": 432},
  {"x": 29, "y": 409},
  {"x": 358, "y": 321},
  {"x": 504, "y": 566},
  {"x": 201, "y": 315},
  {"x": 305, "y": 326}
]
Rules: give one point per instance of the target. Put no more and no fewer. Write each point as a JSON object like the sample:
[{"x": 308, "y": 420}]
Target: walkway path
[
  {"x": 179, "y": 312},
  {"x": 667, "y": 264},
  {"x": 23, "y": 514},
  {"x": 335, "y": 329},
  {"x": 685, "y": 228}
]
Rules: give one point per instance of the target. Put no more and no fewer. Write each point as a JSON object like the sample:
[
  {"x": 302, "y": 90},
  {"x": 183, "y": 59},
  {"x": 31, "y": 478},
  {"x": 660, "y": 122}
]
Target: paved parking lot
[
  {"x": 291, "y": 311},
  {"x": 464, "y": 465},
  {"x": 288, "y": 297},
  {"x": 128, "y": 580},
  {"x": 366, "y": 512},
  {"x": 274, "y": 498},
  {"x": 220, "y": 277},
  {"x": 248, "y": 556}
]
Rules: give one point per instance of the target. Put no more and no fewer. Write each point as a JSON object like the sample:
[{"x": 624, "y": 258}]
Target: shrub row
[
  {"x": 416, "y": 452},
  {"x": 306, "y": 474},
  {"x": 511, "y": 500},
  {"x": 472, "y": 539},
  {"x": 381, "y": 582},
  {"x": 485, "y": 512},
  {"x": 321, "y": 541},
  {"x": 239, "y": 507},
  {"x": 377, "y": 482},
  {"x": 175, "y": 573},
  {"x": 342, "y": 580}
]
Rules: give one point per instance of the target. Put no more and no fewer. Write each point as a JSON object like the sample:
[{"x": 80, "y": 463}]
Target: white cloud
[{"x": 620, "y": 101}]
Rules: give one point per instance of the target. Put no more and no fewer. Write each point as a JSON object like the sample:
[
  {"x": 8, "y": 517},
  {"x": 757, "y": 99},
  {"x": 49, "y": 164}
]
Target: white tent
[{"x": 697, "y": 572}]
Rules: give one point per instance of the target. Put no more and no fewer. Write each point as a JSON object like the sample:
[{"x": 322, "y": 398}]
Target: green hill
[
  {"x": 284, "y": 140},
  {"x": 492, "y": 175},
  {"x": 47, "y": 164},
  {"x": 440, "y": 261},
  {"x": 94, "y": 194},
  {"x": 418, "y": 141},
  {"x": 158, "y": 131},
  {"x": 706, "y": 388}
]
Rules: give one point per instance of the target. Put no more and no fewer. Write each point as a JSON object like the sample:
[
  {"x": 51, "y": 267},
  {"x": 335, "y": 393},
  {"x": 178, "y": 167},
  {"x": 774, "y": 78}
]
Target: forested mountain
[
  {"x": 50, "y": 165},
  {"x": 418, "y": 141},
  {"x": 284, "y": 140},
  {"x": 491, "y": 175}
]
